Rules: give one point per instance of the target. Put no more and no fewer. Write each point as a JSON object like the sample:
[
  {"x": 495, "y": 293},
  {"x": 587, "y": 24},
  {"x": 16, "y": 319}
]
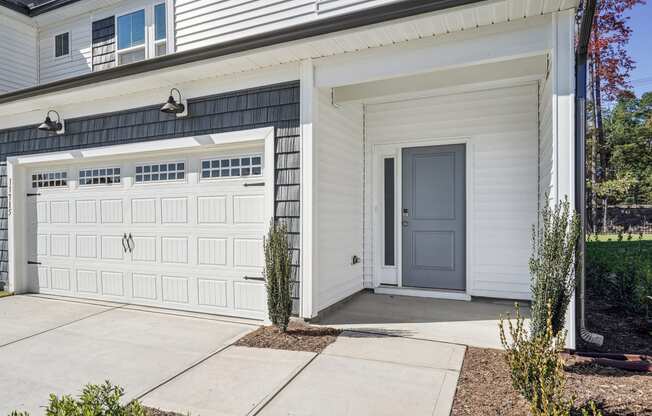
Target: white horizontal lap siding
[
  {"x": 501, "y": 126},
  {"x": 203, "y": 22},
  {"x": 78, "y": 62},
  {"x": 340, "y": 158},
  {"x": 18, "y": 51}
]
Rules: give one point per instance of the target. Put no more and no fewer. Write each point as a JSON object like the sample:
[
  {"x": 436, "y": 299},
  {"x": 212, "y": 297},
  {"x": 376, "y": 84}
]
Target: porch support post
[
  {"x": 17, "y": 270},
  {"x": 563, "y": 78},
  {"x": 308, "y": 98}
]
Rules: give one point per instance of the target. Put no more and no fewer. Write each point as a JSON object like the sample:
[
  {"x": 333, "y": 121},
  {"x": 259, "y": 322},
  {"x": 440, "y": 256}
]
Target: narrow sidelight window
[
  {"x": 160, "y": 45},
  {"x": 62, "y": 45},
  {"x": 389, "y": 212}
]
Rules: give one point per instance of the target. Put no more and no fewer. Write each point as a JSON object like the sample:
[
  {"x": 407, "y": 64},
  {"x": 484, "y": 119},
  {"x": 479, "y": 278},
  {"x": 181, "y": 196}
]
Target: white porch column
[
  {"x": 563, "y": 131},
  {"x": 309, "y": 259}
]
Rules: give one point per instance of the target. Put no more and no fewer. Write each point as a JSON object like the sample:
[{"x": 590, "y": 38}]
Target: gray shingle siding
[{"x": 274, "y": 105}]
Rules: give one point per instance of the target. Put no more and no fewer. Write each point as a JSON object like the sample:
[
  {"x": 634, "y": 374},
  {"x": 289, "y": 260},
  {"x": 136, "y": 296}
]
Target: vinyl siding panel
[
  {"x": 18, "y": 66},
  {"x": 78, "y": 62},
  {"x": 204, "y": 22},
  {"x": 339, "y": 196},
  {"x": 501, "y": 126}
]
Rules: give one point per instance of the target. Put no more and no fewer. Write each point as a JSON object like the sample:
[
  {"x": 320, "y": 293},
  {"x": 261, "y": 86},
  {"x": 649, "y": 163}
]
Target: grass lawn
[
  {"x": 614, "y": 237},
  {"x": 4, "y": 293}
]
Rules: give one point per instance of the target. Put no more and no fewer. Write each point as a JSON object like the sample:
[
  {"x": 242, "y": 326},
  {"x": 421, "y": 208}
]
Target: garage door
[{"x": 183, "y": 231}]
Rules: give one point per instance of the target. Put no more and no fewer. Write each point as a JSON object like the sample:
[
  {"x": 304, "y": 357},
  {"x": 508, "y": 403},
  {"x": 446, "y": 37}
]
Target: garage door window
[
  {"x": 160, "y": 172},
  {"x": 49, "y": 179},
  {"x": 232, "y": 167},
  {"x": 99, "y": 176}
]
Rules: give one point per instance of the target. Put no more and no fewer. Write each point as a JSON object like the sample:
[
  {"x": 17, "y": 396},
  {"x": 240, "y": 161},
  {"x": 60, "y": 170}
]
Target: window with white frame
[
  {"x": 160, "y": 30},
  {"x": 99, "y": 176},
  {"x": 131, "y": 37},
  {"x": 49, "y": 179},
  {"x": 160, "y": 172},
  {"x": 229, "y": 167}
]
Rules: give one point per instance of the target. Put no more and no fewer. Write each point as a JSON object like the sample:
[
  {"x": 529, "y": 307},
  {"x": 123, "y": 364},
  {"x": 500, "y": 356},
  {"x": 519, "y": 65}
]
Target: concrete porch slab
[
  {"x": 24, "y": 316},
  {"x": 473, "y": 323},
  {"x": 234, "y": 382},
  {"x": 135, "y": 349}
]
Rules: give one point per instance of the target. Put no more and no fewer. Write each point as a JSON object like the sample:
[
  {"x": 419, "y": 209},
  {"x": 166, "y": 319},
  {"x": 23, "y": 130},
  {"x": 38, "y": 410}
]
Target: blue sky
[{"x": 640, "y": 47}]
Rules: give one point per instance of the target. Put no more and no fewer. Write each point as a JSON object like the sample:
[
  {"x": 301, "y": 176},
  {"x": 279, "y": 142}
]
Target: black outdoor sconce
[
  {"x": 52, "y": 126},
  {"x": 179, "y": 108}
]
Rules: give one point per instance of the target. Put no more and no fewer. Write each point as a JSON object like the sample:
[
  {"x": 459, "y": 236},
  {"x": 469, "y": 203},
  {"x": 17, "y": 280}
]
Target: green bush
[
  {"x": 278, "y": 275},
  {"x": 620, "y": 271},
  {"x": 536, "y": 368},
  {"x": 553, "y": 265},
  {"x": 95, "y": 400}
]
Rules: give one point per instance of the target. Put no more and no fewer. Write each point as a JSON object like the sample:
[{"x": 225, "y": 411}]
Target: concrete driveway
[{"x": 52, "y": 345}]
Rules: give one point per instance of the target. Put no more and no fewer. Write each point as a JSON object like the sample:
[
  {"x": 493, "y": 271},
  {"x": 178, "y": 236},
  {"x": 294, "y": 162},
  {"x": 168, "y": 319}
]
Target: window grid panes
[
  {"x": 49, "y": 179},
  {"x": 99, "y": 176},
  {"x": 160, "y": 172},
  {"x": 62, "y": 45},
  {"x": 232, "y": 167},
  {"x": 131, "y": 30}
]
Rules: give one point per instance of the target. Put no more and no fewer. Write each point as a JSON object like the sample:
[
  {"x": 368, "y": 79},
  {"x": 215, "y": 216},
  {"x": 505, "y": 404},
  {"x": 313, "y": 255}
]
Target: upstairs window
[
  {"x": 131, "y": 37},
  {"x": 62, "y": 45},
  {"x": 160, "y": 31}
]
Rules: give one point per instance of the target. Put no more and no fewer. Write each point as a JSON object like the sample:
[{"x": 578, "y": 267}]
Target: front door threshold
[{"x": 422, "y": 292}]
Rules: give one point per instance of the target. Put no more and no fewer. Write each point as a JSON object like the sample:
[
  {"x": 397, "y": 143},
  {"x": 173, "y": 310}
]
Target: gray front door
[{"x": 433, "y": 217}]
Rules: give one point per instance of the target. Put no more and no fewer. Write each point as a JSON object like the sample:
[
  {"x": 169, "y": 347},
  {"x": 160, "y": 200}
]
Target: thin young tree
[{"x": 278, "y": 275}]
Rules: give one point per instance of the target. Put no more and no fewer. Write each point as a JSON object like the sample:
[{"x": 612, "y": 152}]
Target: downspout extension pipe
[{"x": 580, "y": 161}]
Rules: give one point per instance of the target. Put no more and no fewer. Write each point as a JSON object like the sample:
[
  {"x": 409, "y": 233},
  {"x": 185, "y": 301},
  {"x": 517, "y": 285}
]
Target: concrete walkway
[{"x": 186, "y": 362}]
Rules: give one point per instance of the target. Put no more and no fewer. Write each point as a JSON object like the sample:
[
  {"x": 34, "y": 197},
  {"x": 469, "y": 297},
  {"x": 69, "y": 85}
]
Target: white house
[{"x": 406, "y": 144}]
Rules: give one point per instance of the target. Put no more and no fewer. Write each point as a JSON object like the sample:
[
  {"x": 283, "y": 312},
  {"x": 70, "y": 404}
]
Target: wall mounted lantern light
[
  {"x": 52, "y": 126},
  {"x": 179, "y": 108}
]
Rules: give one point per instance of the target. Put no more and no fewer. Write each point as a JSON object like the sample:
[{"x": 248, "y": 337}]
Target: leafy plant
[
  {"x": 278, "y": 275},
  {"x": 552, "y": 265},
  {"x": 536, "y": 368},
  {"x": 95, "y": 400}
]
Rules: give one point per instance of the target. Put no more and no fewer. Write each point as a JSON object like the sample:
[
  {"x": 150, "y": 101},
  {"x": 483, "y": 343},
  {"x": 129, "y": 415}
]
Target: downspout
[{"x": 580, "y": 161}]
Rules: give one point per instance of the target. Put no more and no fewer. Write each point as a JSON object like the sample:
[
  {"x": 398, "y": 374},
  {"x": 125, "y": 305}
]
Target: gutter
[
  {"x": 380, "y": 14},
  {"x": 36, "y": 10},
  {"x": 581, "y": 57}
]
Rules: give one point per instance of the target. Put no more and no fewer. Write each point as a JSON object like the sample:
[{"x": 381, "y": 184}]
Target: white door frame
[
  {"x": 17, "y": 182},
  {"x": 381, "y": 273}
]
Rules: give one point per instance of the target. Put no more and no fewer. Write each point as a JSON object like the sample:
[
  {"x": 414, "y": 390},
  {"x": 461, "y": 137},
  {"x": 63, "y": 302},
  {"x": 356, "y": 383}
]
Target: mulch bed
[
  {"x": 485, "y": 388},
  {"x": 623, "y": 332},
  {"x": 299, "y": 337},
  {"x": 156, "y": 412}
]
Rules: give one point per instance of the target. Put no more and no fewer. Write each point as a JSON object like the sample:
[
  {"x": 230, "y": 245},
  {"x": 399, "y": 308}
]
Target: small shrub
[
  {"x": 95, "y": 400},
  {"x": 552, "y": 265},
  {"x": 537, "y": 369},
  {"x": 278, "y": 274}
]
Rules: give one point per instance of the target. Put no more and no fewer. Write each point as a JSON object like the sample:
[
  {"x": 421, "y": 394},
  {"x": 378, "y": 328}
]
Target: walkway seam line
[
  {"x": 62, "y": 325},
  {"x": 271, "y": 397}
]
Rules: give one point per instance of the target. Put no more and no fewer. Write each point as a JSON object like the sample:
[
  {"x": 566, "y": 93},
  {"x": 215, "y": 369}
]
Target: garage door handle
[
  {"x": 124, "y": 242},
  {"x": 130, "y": 243},
  {"x": 255, "y": 184},
  {"x": 262, "y": 279}
]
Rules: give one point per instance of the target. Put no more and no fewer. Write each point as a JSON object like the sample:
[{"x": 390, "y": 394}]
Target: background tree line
[{"x": 619, "y": 137}]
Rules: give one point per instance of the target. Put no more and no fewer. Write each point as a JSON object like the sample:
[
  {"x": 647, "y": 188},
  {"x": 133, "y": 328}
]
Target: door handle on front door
[{"x": 404, "y": 223}]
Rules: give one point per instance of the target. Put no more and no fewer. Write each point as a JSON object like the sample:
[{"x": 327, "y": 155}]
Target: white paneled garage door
[{"x": 182, "y": 231}]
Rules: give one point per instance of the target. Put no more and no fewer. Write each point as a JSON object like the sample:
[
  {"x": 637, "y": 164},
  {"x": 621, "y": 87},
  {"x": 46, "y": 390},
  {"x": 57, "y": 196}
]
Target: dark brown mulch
[
  {"x": 485, "y": 388},
  {"x": 298, "y": 337},
  {"x": 623, "y": 332}
]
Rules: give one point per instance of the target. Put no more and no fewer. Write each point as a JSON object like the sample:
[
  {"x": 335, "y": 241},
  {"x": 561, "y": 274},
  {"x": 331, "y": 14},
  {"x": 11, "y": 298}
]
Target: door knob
[{"x": 404, "y": 223}]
